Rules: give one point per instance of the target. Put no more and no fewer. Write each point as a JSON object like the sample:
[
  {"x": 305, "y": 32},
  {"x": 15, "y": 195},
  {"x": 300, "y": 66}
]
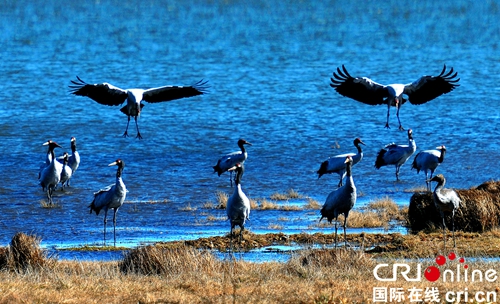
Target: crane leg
[
  {"x": 241, "y": 233},
  {"x": 453, "y": 229},
  {"x": 105, "y": 222},
  {"x": 444, "y": 232},
  {"x": 126, "y": 129},
  {"x": 137, "y": 127},
  {"x": 231, "y": 237},
  {"x": 397, "y": 173},
  {"x": 114, "y": 226},
  {"x": 397, "y": 114},
  {"x": 388, "y": 112},
  {"x": 345, "y": 236},
  {"x": 336, "y": 223}
]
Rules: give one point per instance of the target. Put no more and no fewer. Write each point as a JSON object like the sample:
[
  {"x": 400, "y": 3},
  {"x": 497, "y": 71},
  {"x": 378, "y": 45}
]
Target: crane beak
[
  {"x": 112, "y": 164},
  {"x": 247, "y": 143}
]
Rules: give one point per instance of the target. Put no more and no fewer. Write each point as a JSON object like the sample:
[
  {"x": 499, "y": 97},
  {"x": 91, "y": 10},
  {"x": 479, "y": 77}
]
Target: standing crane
[
  {"x": 336, "y": 164},
  {"x": 238, "y": 205},
  {"x": 365, "y": 90},
  {"x": 397, "y": 155},
  {"x": 109, "y": 95},
  {"x": 341, "y": 201},
  {"x": 428, "y": 160},
  {"x": 51, "y": 174},
  {"x": 230, "y": 160},
  {"x": 111, "y": 197},
  {"x": 74, "y": 158},
  {"x": 66, "y": 172},
  {"x": 446, "y": 200}
]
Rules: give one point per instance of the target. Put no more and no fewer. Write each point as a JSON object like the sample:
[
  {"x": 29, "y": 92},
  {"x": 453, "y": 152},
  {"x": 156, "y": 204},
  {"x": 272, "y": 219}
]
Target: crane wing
[
  {"x": 360, "y": 89},
  {"x": 168, "y": 93},
  {"x": 103, "y": 93},
  {"x": 426, "y": 88}
]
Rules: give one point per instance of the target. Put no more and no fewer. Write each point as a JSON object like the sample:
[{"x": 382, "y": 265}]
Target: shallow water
[{"x": 268, "y": 65}]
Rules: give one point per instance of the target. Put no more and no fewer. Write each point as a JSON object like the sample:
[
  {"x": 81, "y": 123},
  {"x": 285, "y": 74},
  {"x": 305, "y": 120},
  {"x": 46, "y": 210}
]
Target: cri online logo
[{"x": 433, "y": 273}]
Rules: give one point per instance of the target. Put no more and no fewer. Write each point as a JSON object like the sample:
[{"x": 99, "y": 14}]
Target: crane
[
  {"x": 365, "y": 90},
  {"x": 111, "y": 197},
  {"x": 341, "y": 200},
  {"x": 66, "y": 172},
  {"x": 446, "y": 200},
  {"x": 230, "y": 160},
  {"x": 238, "y": 205},
  {"x": 397, "y": 155},
  {"x": 51, "y": 174},
  {"x": 429, "y": 160},
  {"x": 336, "y": 164},
  {"x": 108, "y": 94},
  {"x": 74, "y": 158}
]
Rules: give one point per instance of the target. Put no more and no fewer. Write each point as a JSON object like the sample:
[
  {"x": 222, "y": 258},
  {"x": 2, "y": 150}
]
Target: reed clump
[
  {"x": 24, "y": 254},
  {"x": 158, "y": 260},
  {"x": 478, "y": 212}
]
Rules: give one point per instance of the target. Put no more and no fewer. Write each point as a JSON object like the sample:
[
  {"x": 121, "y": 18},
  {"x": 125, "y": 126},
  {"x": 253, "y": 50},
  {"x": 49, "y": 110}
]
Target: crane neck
[
  {"x": 439, "y": 186},
  {"x": 359, "y": 148},
  {"x": 119, "y": 172},
  {"x": 51, "y": 152},
  {"x": 348, "y": 169},
  {"x": 441, "y": 156},
  {"x": 73, "y": 146},
  {"x": 239, "y": 174},
  {"x": 242, "y": 147}
]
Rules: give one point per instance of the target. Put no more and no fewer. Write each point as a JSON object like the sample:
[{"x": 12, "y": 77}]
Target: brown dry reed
[
  {"x": 157, "y": 260},
  {"x": 24, "y": 254},
  {"x": 478, "y": 212}
]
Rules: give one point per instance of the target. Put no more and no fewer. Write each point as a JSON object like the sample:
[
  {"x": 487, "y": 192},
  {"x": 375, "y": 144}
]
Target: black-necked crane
[
  {"x": 446, "y": 200},
  {"x": 428, "y": 160},
  {"x": 74, "y": 158},
  {"x": 48, "y": 160},
  {"x": 365, "y": 90},
  {"x": 336, "y": 164},
  {"x": 66, "y": 172},
  {"x": 230, "y": 160},
  {"x": 111, "y": 197},
  {"x": 341, "y": 201},
  {"x": 238, "y": 205},
  {"x": 109, "y": 95},
  {"x": 51, "y": 174},
  {"x": 397, "y": 155}
]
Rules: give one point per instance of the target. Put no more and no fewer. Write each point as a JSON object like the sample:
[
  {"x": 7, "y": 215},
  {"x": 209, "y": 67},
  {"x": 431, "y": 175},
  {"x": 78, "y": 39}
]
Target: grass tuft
[
  {"x": 290, "y": 194},
  {"x": 24, "y": 254},
  {"x": 221, "y": 198},
  {"x": 157, "y": 260}
]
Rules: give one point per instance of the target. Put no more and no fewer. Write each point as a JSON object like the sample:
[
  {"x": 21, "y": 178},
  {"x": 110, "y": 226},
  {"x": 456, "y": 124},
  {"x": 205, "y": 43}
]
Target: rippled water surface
[{"x": 268, "y": 64}]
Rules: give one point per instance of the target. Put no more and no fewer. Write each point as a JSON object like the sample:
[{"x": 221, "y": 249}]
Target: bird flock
[{"x": 59, "y": 170}]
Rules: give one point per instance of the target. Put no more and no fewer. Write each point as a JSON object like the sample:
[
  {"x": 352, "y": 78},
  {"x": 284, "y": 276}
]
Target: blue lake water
[{"x": 268, "y": 64}]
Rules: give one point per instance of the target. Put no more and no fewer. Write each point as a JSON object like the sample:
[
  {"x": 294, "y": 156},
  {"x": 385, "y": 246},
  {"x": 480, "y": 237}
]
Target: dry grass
[
  {"x": 479, "y": 211},
  {"x": 188, "y": 208},
  {"x": 24, "y": 254},
  {"x": 46, "y": 205},
  {"x": 312, "y": 204},
  {"x": 221, "y": 198},
  {"x": 267, "y": 205},
  {"x": 290, "y": 194},
  {"x": 178, "y": 273}
]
